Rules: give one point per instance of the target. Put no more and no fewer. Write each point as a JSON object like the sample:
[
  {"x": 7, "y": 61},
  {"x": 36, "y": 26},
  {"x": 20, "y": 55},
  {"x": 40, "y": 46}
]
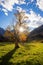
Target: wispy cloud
[
  {"x": 6, "y": 14},
  {"x": 40, "y": 4},
  {"x": 5, "y": 11},
  {"x": 20, "y": 9},
  {"x": 34, "y": 20},
  {"x": 8, "y": 4}
]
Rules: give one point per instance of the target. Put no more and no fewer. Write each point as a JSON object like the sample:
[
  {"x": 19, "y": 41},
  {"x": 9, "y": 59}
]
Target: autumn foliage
[{"x": 22, "y": 37}]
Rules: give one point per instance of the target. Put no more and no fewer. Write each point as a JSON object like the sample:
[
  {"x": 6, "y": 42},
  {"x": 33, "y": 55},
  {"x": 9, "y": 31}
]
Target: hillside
[
  {"x": 30, "y": 54},
  {"x": 36, "y": 34},
  {"x": 2, "y": 31}
]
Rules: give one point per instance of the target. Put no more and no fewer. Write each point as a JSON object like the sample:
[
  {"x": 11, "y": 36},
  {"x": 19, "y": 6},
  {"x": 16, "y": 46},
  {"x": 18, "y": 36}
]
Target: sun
[{"x": 21, "y": 29}]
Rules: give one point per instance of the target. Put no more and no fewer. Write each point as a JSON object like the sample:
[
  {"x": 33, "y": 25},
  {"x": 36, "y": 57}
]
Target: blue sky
[{"x": 33, "y": 9}]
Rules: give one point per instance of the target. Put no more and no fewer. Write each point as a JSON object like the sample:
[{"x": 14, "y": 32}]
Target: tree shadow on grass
[{"x": 5, "y": 59}]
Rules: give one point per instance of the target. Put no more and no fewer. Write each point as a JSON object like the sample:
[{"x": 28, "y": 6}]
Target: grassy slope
[{"x": 30, "y": 54}]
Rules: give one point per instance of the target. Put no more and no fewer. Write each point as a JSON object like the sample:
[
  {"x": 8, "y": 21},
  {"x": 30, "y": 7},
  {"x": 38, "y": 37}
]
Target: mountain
[
  {"x": 2, "y": 31},
  {"x": 36, "y": 34}
]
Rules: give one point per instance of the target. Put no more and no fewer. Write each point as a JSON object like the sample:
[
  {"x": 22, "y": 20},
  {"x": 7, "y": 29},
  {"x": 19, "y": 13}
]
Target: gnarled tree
[{"x": 20, "y": 28}]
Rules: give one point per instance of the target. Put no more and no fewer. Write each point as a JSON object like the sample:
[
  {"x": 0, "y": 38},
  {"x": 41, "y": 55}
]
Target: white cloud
[
  {"x": 22, "y": 2},
  {"x": 8, "y": 4},
  {"x": 6, "y": 14},
  {"x": 4, "y": 10},
  {"x": 40, "y": 4},
  {"x": 34, "y": 20},
  {"x": 20, "y": 9}
]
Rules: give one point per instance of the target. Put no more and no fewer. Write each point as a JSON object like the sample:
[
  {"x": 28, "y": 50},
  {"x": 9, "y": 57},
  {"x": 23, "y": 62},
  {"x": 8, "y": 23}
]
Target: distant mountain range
[{"x": 36, "y": 34}]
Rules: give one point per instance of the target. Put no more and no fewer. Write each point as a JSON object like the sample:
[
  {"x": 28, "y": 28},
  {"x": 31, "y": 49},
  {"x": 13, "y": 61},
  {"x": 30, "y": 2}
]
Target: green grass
[{"x": 29, "y": 54}]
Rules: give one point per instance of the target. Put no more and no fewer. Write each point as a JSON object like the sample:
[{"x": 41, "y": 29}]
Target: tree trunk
[{"x": 16, "y": 45}]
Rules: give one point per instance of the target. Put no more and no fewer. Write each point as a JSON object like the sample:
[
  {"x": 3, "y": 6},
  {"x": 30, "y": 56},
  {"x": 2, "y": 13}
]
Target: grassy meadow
[{"x": 27, "y": 54}]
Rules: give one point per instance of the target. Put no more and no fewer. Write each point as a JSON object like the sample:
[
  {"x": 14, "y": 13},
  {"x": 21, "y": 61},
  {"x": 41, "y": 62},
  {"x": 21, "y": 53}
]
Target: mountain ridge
[{"x": 36, "y": 34}]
